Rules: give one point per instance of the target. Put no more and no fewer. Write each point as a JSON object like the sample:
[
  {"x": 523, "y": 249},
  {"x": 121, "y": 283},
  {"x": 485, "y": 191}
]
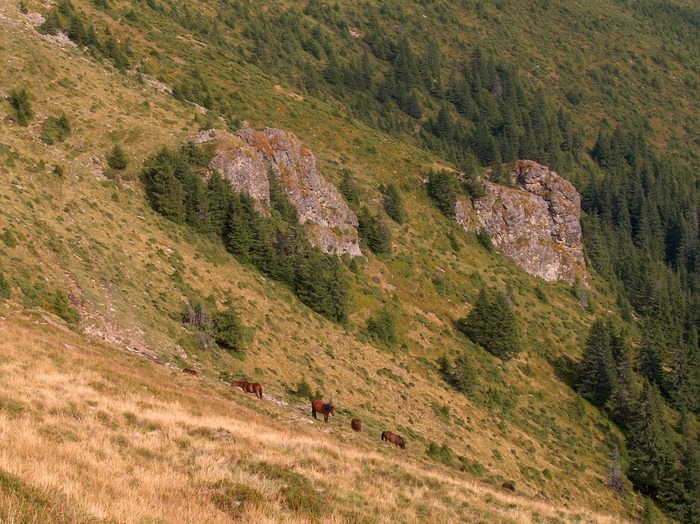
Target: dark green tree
[
  {"x": 652, "y": 467},
  {"x": 596, "y": 372},
  {"x": 445, "y": 189},
  {"x": 163, "y": 188},
  {"x": 689, "y": 510},
  {"x": 348, "y": 188},
  {"x": 219, "y": 197},
  {"x": 229, "y": 331},
  {"x": 493, "y": 325},
  {"x": 374, "y": 231},
  {"x": 116, "y": 159},
  {"x": 464, "y": 375},
  {"x": 393, "y": 204},
  {"x": 383, "y": 326}
]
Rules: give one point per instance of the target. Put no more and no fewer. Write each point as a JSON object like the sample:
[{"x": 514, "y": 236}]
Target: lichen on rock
[{"x": 536, "y": 222}]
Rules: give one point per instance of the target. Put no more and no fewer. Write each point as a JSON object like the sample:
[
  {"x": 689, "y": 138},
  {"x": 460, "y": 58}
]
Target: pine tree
[
  {"x": 116, "y": 159},
  {"x": 444, "y": 188},
  {"x": 652, "y": 458},
  {"x": 685, "y": 377},
  {"x": 393, "y": 204},
  {"x": 493, "y": 325},
  {"x": 623, "y": 398},
  {"x": 464, "y": 375},
  {"x": 229, "y": 332},
  {"x": 596, "y": 371},
  {"x": 443, "y": 127},
  {"x": 163, "y": 188},
  {"x": 652, "y": 353},
  {"x": 219, "y": 196},
  {"x": 689, "y": 510},
  {"x": 383, "y": 326}
]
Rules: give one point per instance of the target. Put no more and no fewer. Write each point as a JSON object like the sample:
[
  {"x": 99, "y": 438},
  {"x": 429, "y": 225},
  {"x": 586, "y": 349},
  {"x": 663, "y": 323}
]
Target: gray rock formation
[
  {"x": 245, "y": 159},
  {"x": 536, "y": 223}
]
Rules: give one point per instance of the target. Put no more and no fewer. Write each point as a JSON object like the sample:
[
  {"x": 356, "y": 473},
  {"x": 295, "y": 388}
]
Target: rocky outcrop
[
  {"x": 246, "y": 157},
  {"x": 536, "y": 222}
]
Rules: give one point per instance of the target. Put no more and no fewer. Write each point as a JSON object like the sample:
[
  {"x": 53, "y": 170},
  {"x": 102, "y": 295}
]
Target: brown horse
[
  {"x": 190, "y": 371},
  {"x": 249, "y": 387},
  {"x": 318, "y": 406},
  {"x": 394, "y": 439},
  {"x": 355, "y": 424}
]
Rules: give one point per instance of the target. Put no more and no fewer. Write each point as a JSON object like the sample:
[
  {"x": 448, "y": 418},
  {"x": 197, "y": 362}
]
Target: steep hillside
[{"x": 85, "y": 257}]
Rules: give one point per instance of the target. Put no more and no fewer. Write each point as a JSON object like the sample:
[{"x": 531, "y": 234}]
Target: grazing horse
[
  {"x": 508, "y": 485},
  {"x": 249, "y": 387},
  {"x": 318, "y": 406},
  {"x": 190, "y": 371},
  {"x": 356, "y": 424},
  {"x": 394, "y": 439}
]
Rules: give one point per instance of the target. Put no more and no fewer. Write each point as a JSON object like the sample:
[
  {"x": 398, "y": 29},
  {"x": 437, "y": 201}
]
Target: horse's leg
[{"x": 313, "y": 413}]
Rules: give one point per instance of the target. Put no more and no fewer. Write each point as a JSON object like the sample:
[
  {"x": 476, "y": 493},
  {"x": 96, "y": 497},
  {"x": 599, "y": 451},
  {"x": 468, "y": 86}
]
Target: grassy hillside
[
  {"x": 109, "y": 437},
  {"x": 86, "y": 258}
]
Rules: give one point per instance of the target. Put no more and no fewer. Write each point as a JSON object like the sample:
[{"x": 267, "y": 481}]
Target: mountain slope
[{"x": 129, "y": 273}]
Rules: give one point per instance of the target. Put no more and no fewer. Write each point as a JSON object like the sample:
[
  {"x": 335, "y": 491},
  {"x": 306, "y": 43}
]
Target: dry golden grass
[{"x": 94, "y": 434}]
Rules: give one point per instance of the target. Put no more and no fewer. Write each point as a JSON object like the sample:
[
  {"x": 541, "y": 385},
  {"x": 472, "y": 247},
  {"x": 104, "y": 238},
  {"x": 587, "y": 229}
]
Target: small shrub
[
  {"x": 11, "y": 407},
  {"x": 9, "y": 239},
  {"x": 303, "y": 389},
  {"x": 393, "y": 203},
  {"x": 383, "y": 326},
  {"x": 5, "y": 288},
  {"x": 229, "y": 331},
  {"x": 55, "y": 129},
  {"x": 485, "y": 240},
  {"x": 61, "y": 306},
  {"x": 21, "y": 107},
  {"x": 58, "y": 170},
  {"x": 116, "y": 159},
  {"x": 234, "y": 498},
  {"x": 442, "y": 412},
  {"x": 541, "y": 295},
  {"x": 441, "y": 454}
]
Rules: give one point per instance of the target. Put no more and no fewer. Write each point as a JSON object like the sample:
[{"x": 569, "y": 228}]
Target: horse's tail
[
  {"x": 260, "y": 392},
  {"x": 384, "y": 436}
]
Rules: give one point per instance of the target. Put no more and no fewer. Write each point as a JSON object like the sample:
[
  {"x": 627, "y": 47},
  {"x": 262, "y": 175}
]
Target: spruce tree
[
  {"x": 596, "y": 371},
  {"x": 493, "y": 325},
  {"x": 116, "y": 159},
  {"x": 623, "y": 398},
  {"x": 219, "y": 196},
  {"x": 393, "y": 204},
  {"x": 689, "y": 510},
  {"x": 444, "y": 188},
  {"x": 229, "y": 332},
  {"x": 650, "y": 444},
  {"x": 464, "y": 375}
]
